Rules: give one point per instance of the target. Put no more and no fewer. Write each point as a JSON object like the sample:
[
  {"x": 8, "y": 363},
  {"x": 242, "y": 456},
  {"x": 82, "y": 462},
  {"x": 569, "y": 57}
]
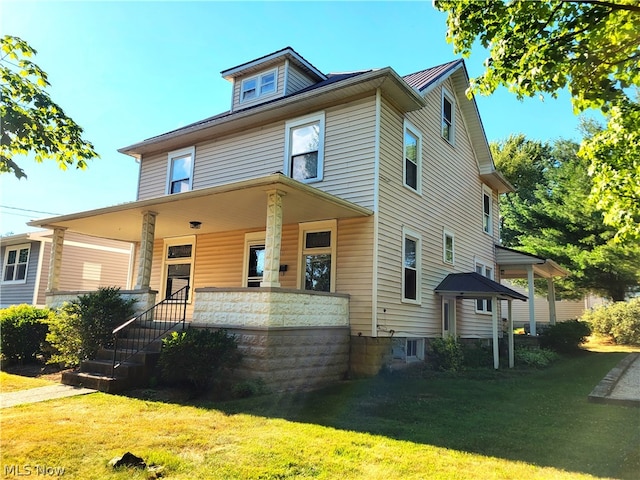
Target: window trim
[
  {"x": 17, "y": 248},
  {"x": 258, "y": 78},
  {"x": 409, "y": 127},
  {"x": 313, "y": 227},
  {"x": 419, "y": 356},
  {"x": 448, "y": 233},
  {"x": 318, "y": 117},
  {"x": 478, "y": 262},
  {"x": 170, "y": 242},
  {"x": 415, "y": 236},
  {"x": 446, "y": 94},
  {"x": 171, "y": 156},
  {"x": 487, "y": 192},
  {"x": 250, "y": 239}
]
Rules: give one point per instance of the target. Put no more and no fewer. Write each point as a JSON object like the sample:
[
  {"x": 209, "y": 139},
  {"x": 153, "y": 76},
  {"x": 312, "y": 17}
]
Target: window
[
  {"x": 179, "y": 255},
  {"x": 414, "y": 349},
  {"x": 412, "y": 157},
  {"x": 258, "y": 86},
  {"x": 411, "y": 277},
  {"x": 487, "y": 210},
  {"x": 180, "y": 170},
  {"x": 317, "y": 252},
  {"x": 16, "y": 260},
  {"x": 304, "y": 148},
  {"x": 484, "y": 305},
  {"x": 448, "y": 116},
  {"x": 254, "y": 259},
  {"x": 448, "y": 248}
]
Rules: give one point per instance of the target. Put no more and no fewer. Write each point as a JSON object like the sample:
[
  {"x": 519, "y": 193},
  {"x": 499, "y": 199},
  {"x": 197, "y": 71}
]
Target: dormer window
[{"x": 258, "y": 85}]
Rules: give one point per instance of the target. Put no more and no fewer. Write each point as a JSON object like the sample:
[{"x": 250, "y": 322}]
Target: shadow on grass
[{"x": 540, "y": 417}]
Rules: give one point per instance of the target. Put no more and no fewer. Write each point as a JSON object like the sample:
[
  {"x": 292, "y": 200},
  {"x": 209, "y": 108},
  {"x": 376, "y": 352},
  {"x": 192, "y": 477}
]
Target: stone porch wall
[{"x": 144, "y": 299}]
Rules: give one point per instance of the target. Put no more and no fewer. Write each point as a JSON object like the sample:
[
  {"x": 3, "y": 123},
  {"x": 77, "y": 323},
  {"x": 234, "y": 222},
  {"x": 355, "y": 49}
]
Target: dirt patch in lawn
[{"x": 52, "y": 373}]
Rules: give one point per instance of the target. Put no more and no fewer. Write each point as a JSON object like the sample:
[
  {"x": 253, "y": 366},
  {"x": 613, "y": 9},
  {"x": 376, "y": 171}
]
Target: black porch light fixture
[{"x": 195, "y": 224}]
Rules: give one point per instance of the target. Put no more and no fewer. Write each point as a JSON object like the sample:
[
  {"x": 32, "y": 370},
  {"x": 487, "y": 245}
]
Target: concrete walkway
[
  {"x": 41, "y": 394},
  {"x": 621, "y": 385}
]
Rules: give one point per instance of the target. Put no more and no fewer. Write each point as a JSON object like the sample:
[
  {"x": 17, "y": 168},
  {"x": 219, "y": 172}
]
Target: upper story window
[
  {"x": 411, "y": 266},
  {"x": 412, "y": 157},
  {"x": 258, "y": 86},
  {"x": 448, "y": 247},
  {"x": 304, "y": 148},
  {"x": 448, "y": 116},
  {"x": 16, "y": 259},
  {"x": 487, "y": 210},
  {"x": 180, "y": 170}
]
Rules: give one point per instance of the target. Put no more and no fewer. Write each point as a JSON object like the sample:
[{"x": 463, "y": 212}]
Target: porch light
[{"x": 195, "y": 224}]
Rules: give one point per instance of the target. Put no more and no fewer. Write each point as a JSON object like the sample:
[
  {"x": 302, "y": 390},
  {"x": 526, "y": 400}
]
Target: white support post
[
  {"x": 510, "y": 328},
  {"x": 532, "y": 301},
  {"x": 55, "y": 263},
  {"x": 551, "y": 297},
  {"x": 273, "y": 239},
  {"x": 145, "y": 261},
  {"x": 496, "y": 347}
]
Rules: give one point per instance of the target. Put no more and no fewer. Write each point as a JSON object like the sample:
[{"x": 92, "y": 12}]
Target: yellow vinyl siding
[{"x": 153, "y": 175}]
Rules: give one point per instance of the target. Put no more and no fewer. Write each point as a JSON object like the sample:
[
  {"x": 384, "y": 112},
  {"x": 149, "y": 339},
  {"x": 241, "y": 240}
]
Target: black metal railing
[{"x": 136, "y": 335}]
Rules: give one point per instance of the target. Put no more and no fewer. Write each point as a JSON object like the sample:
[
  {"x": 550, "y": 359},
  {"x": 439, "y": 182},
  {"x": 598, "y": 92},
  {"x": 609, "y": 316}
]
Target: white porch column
[
  {"x": 146, "y": 250},
  {"x": 551, "y": 297},
  {"x": 496, "y": 347},
  {"x": 55, "y": 263},
  {"x": 532, "y": 301},
  {"x": 273, "y": 239},
  {"x": 510, "y": 328}
]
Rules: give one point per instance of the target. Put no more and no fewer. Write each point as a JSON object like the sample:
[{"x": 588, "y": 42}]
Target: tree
[
  {"x": 548, "y": 215},
  {"x": 31, "y": 121},
  {"x": 590, "y": 47}
]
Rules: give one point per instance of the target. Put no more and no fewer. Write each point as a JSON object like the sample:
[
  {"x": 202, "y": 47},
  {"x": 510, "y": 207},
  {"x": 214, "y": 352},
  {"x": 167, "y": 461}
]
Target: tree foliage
[
  {"x": 589, "y": 47},
  {"x": 31, "y": 121},
  {"x": 549, "y": 215}
]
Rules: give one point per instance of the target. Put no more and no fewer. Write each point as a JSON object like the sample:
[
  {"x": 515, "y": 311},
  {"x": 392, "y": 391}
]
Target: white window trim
[
  {"x": 258, "y": 79},
  {"x": 311, "y": 227},
  {"x": 413, "y": 235},
  {"x": 176, "y": 154},
  {"x": 408, "y": 126},
  {"x": 169, "y": 242},
  {"x": 452, "y": 130},
  {"x": 17, "y": 248},
  {"x": 484, "y": 264},
  {"x": 298, "y": 122},
  {"x": 448, "y": 233},
  {"x": 486, "y": 191},
  {"x": 419, "y": 356},
  {"x": 250, "y": 239}
]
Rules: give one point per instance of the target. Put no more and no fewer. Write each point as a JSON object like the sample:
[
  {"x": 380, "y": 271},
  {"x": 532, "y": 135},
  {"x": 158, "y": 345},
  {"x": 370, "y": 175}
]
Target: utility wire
[{"x": 27, "y": 210}]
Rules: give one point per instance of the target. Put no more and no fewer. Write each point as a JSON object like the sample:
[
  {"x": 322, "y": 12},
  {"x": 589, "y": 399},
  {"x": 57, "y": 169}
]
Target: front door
[{"x": 448, "y": 317}]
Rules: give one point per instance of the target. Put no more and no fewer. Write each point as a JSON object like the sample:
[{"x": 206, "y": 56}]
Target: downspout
[{"x": 376, "y": 217}]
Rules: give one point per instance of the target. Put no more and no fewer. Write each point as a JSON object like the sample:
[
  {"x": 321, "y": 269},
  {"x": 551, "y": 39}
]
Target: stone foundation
[{"x": 369, "y": 355}]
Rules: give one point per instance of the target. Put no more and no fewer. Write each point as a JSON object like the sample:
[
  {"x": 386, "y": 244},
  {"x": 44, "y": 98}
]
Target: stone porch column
[
  {"x": 55, "y": 263},
  {"x": 273, "y": 239},
  {"x": 146, "y": 250},
  {"x": 551, "y": 297},
  {"x": 532, "y": 301}
]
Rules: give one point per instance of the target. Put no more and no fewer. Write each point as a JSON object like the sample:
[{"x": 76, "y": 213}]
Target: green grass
[
  {"x": 483, "y": 424},
  {"x": 13, "y": 383}
]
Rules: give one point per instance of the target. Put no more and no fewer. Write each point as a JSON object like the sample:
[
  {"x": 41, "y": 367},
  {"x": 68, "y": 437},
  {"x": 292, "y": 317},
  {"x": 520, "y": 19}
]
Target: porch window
[
  {"x": 304, "y": 148},
  {"x": 179, "y": 255},
  {"x": 412, "y": 157},
  {"x": 448, "y": 118},
  {"x": 317, "y": 253},
  {"x": 254, "y": 253},
  {"x": 411, "y": 264},
  {"x": 258, "y": 85},
  {"x": 180, "y": 170},
  {"x": 484, "y": 305},
  {"x": 487, "y": 210},
  {"x": 16, "y": 260}
]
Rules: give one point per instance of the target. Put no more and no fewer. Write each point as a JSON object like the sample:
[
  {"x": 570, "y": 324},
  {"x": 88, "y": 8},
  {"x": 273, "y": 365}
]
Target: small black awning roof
[{"x": 474, "y": 285}]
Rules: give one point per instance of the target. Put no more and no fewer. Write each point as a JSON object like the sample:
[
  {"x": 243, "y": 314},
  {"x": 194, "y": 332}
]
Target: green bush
[
  {"x": 477, "y": 355},
  {"x": 619, "y": 321},
  {"x": 197, "y": 357},
  {"x": 565, "y": 337},
  {"x": 83, "y": 326},
  {"x": 446, "y": 354},
  {"x": 534, "y": 357},
  {"x": 248, "y": 388},
  {"x": 23, "y": 330}
]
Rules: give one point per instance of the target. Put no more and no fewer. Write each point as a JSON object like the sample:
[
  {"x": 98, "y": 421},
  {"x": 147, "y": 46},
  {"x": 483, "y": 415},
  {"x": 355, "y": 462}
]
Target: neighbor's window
[
  {"x": 179, "y": 254},
  {"x": 317, "y": 252},
  {"x": 487, "y": 210},
  {"x": 412, "y": 157},
  {"x": 448, "y": 247},
  {"x": 180, "y": 170},
  {"x": 411, "y": 278},
  {"x": 16, "y": 259},
  {"x": 448, "y": 118},
  {"x": 304, "y": 148},
  {"x": 484, "y": 305},
  {"x": 259, "y": 85}
]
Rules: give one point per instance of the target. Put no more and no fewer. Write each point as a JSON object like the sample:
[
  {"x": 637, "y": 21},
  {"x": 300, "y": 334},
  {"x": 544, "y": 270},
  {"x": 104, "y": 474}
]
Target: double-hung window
[
  {"x": 259, "y": 85},
  {"x": 412, "y": 157},
  {"x": 448, "y": 116},
  {"x": 304, "y": 148},
  {"x": 487, "y": 210},
  {"x": 16, "y": 260},
  {"x": 448, "y": 247},
  {"x": 411, "y": 265},
  {"x": 179, "y": 255},
  {"x": 484, "y": 305},
  {"x": 180, "y": 170},
  {"x": 317, "y": 251}
]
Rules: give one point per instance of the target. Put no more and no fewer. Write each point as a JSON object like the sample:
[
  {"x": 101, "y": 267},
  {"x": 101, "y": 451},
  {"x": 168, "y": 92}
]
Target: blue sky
[{"x": 126, "y": 71}]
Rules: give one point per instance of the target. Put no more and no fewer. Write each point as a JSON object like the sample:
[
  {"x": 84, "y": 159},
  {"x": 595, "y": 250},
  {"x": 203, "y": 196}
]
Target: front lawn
[{"x": 484, "y": 424}]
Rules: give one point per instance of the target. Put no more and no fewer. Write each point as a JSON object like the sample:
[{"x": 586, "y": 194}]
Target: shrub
[
  {"x": 197, "y": 357},
  {"x": 565, "y": 337},
  {"x": 248, "y": 388},
  {"x": 477, "y": 355},
  {"x": 83, "y": 326},
  {"x": 534, "y": 357},
  {"x": 24, "y": 328},
  {"x": 619, "y": 321},
  {"x": 446, "y": 354}
]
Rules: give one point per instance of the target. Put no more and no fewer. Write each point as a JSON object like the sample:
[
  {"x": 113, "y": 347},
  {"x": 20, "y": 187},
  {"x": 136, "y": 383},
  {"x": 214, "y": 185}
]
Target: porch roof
[
  {"x": 234, "y": 206},
  {"x": 514, "y": 264},
  {"x": 474, "y": 285}
]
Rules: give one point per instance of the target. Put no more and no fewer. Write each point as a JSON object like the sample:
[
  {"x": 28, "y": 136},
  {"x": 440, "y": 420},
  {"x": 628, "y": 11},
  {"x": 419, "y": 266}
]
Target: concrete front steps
[{"x": 134, "y": 371}]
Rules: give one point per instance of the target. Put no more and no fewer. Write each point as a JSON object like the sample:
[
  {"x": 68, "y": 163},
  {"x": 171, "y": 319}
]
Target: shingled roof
[
  {"x": 474, "y": 285},
  {"x": 424, "y": 78}
]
